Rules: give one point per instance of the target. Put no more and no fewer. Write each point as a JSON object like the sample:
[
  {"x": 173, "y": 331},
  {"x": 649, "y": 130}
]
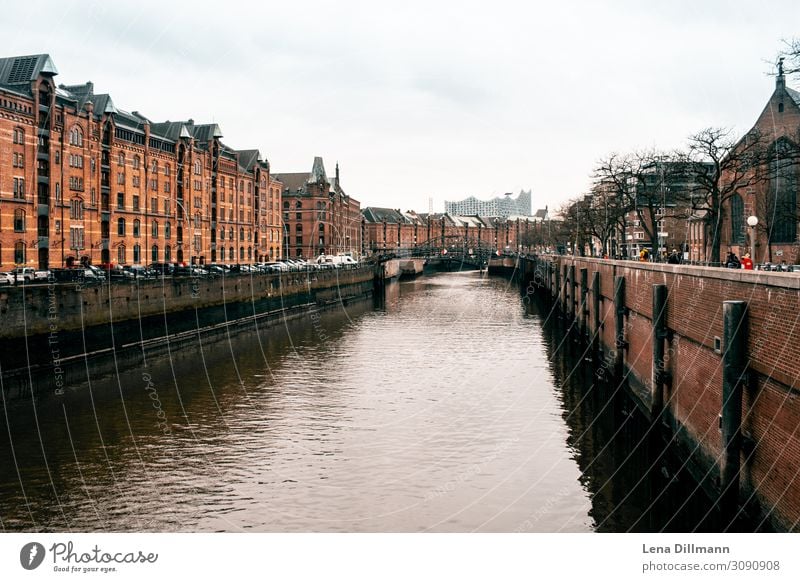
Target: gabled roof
[
  {"x": 388, "y": 215},
  {"x": 297, "y": 181},
  {"x": 318, "y": 173},
  {"x": 204, "y": 133},
  {"x": 292, "y": 182},
  {"x": 249, "y": 158},
  {"x": 795, "y": 95},
  {"x": 24, "y": 69}
]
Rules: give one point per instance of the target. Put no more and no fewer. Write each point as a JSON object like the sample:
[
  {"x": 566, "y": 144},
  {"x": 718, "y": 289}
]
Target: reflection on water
[{"x": 447, "y": 406}]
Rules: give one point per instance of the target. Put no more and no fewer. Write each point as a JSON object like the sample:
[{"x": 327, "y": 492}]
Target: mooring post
[
  {"x": 619, "y": 325},
  {"x": 596, "y": 314},
  {"x": 584, "y": 307},
  {"x": 573, "y": 283},
  {"x": 659, "y": 336},
  {"x": 734, "y": 362},
  {"x": 557, "y": 286}
]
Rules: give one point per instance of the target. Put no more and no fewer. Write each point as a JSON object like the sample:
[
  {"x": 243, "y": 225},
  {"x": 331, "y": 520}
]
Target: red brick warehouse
[{"x": 81, "y": 180}]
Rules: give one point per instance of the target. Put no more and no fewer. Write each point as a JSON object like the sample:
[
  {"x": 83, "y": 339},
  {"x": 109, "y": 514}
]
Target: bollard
[
  {"x": 619, "y": 324},
  {"x": 734, "y": 362},
  {"x": 659, "y": 335}
]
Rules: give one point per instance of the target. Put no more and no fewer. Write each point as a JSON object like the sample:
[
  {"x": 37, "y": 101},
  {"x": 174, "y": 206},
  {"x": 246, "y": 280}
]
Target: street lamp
[{"x": 752, "y": 222}]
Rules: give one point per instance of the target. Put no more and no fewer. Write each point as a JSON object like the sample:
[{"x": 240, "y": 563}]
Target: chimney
[{"x": 780, "y": 80}]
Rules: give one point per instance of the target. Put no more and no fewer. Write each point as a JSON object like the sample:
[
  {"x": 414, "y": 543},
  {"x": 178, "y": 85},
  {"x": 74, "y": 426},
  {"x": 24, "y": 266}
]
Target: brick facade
[
  {"x": 91, "y": 182},
  {"x": 318, "y": 216},
  {"x": 780, "y": 120}
]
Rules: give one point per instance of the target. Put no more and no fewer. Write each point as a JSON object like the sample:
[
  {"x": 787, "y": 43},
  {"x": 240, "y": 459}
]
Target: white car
[
  {"x": 24, "y": 274},
  {"x": 6, "y": 278}
]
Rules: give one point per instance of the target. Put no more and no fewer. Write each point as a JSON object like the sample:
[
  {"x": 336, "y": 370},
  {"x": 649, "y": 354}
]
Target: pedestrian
[
  {"x": 644, "y": 255},
  {"x": 732, "y": 262},
  {"x": 674, "y": 258},
  {"x": 747, "y": 262}
]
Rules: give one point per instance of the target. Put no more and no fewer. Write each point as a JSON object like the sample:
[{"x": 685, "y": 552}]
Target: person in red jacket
[{"x": 747, "y": 262}]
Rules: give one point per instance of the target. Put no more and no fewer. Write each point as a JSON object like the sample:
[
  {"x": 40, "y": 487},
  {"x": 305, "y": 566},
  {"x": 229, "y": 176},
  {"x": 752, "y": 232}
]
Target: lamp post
[{"x": 752, "y": 222}]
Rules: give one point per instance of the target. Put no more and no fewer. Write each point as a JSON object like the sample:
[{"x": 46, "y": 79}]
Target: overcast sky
[{"x": 424, "y": 99}]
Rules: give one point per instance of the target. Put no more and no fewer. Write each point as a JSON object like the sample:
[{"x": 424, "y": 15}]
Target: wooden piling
[
  {"x": 734, "y": 360},
  {"x": 659, "y": 337}
]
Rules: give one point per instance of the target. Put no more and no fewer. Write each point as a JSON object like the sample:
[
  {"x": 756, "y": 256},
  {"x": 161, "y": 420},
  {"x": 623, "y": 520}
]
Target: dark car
[{"x": 163, "y": 269}]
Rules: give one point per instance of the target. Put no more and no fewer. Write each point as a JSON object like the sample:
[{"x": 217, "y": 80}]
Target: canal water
[{"x": 451, "y": 404}]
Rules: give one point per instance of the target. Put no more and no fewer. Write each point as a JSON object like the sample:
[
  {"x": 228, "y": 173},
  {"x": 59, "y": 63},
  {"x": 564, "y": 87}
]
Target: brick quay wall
[
  {"x": 46, "y": 328},
  {"x": 611, "y": 304}
]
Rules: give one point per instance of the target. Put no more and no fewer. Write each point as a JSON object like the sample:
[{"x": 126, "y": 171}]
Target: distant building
[
  {"x": 498, "y": 207},
  {"x": 318, "y": 217}
]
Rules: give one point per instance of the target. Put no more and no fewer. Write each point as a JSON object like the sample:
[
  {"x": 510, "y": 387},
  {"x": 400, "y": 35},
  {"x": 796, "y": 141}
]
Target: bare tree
[
  {"x": 605, "y": 214},
  {"x": 572, "y": 226},
  {"x": 791, "y": 54},
  {"x": 639, "y": 182},
  {"x": 718, "y": 165}
]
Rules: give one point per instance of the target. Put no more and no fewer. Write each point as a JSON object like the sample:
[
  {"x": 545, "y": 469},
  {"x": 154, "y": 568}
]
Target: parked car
[
  {"x": 24, "y": 274},
  {"x": 140, "y": 271},
  {"x": 92, "y": 275},
  {"x": 164, "y": 269},
  {"x": 6, "y": 278},
  {"x": 117, "y": 273},
  {"x": 99, "y": 273}
]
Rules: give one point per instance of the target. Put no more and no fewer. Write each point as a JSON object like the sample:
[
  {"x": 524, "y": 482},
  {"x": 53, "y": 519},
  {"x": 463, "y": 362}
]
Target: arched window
[
  {"x": 19, "y": 136},
  {"x": 76, "y": 136},
  {"x": 121, "y": 227},
  {"x": 241, "y": 253},
  {"x": 136, "y": 161},
  {"x": 249, "y": 253},
  {"x": 781, "y": 207},
  {"x": 136, "y": 229},
  {"x": 121, "y": 254},
  {"x": 19, "y": 220},
  {"x": 154, "y": 167},
  {"x": 286, "y": 205},
  {"x": 737, "y": 220},
  {"x": 197, "y": 167},
  {"x": 154, "y": 229},
  {"x": 19, "y": 253},
  {"x": 154, "y": 254},
  {"x": 298, "y": 205},
  {"x": 76, "y": 209},
  {"x": 241, "y": 234},
  {"x": 230, "y": 254},
  {"x": 121, "y": 159},
  {"x": 137, "y": 254},
  {"x": 230, "y": 233},
  {"x": 167, "y": 254},
  {"x": 222, "y": 234},
  {"x": 167, "y": 170},
  {"x": 167, "y": 230},
  {"x": 299, "y": 227}
]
